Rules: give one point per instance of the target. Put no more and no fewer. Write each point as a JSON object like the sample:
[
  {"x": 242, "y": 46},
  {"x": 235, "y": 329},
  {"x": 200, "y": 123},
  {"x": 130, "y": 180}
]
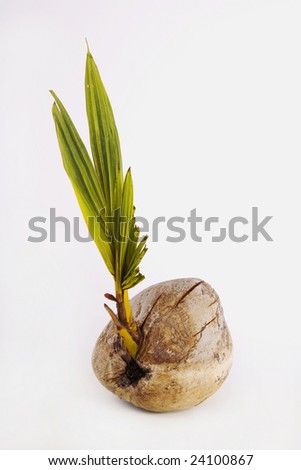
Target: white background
[{"x": 207, "y": 101}]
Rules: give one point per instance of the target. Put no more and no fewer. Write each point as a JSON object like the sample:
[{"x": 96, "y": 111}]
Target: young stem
[
  {"x": 124, "y": 312},
  {"x": 131, "y": 345}
]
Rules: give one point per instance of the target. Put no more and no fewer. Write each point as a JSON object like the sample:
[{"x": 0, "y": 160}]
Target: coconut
[{"x": 185, "y": 352}]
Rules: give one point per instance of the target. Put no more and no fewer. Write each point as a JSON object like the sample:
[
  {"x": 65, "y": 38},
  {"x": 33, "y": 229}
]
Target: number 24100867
[{"x": 218, "y": 459}]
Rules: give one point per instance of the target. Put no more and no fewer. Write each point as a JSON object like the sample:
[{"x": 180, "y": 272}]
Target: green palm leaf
[
  {"x": 103, "y": 133},
  {"x": 106, "y": 198}
]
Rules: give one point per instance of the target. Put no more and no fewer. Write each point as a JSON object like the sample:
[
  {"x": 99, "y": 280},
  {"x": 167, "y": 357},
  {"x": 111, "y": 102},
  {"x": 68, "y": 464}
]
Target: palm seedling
[{"x": 169, "y": 347}]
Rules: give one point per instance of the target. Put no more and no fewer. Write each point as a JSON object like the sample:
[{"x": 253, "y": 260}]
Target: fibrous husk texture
[{"x": 185, "y": 353}]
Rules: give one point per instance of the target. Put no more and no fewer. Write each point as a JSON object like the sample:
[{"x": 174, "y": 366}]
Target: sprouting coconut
[{"x": 168, "y": 348}]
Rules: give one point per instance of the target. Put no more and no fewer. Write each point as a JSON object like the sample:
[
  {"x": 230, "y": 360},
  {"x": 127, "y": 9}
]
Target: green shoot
[{"x": 105, "y": 196}]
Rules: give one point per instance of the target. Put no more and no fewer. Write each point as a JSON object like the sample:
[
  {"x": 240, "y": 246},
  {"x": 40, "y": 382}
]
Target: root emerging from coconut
[{"x": 185, "y": 353}]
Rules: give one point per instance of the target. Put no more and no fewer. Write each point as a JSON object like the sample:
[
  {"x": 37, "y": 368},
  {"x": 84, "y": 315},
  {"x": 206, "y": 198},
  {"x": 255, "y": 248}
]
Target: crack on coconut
[
  {"x": 185, "y": 359},
  {"x": 203, "y": 327},
  {"x": 214, "y": 302},
  {"x": 171, "y": 308},
  {"x": 149, "y": 312},
  {"x": 187, "y": 293}
]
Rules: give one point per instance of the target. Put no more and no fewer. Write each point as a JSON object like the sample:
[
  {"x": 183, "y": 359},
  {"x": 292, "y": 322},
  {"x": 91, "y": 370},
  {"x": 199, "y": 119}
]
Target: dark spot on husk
[
  {"x": 216, "y": 356},
  {"x": 132, "y": 374},
  {"x": 117, "y": 344},
  {"x": 221, "y": 379}
]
